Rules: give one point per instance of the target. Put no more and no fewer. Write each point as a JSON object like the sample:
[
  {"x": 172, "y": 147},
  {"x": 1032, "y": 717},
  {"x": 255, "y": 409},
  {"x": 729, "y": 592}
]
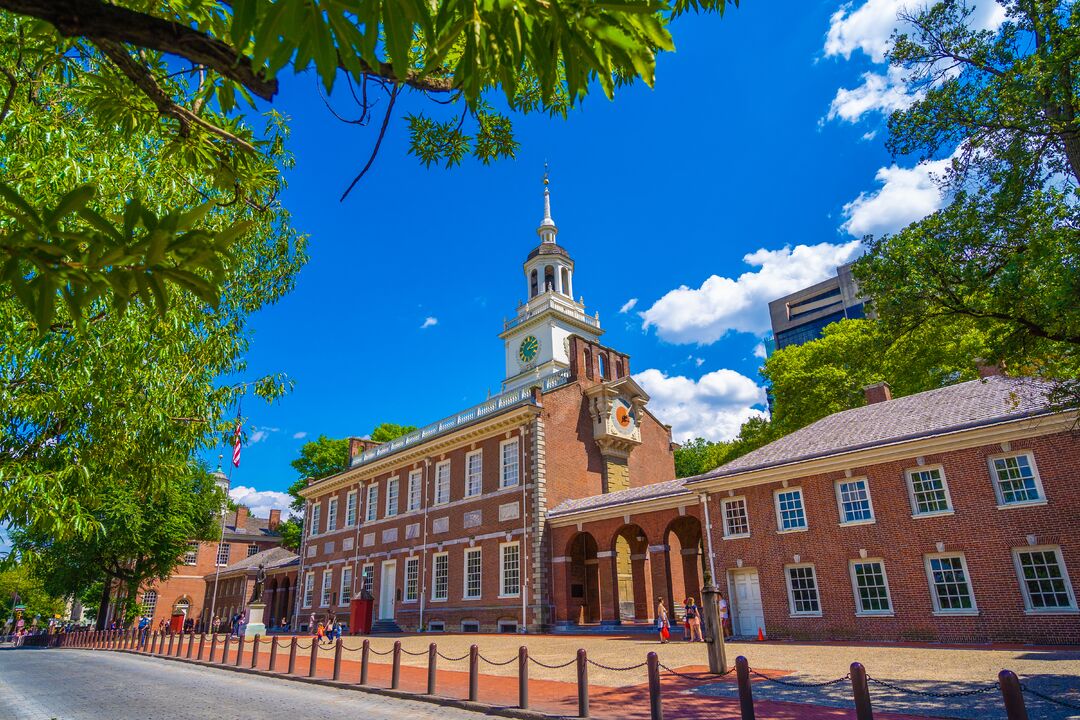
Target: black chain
[
  {"x": 929, "y": 693},
  {"x": 789, "y": 683},
  {"x": 450, "y": 659},
  {"x": 414, "y": 654},
  {"x": 1047, "y": 698},
  {"x": 380, "y": 653},
  {"x": 492, "y": 662},
  {"x": 684, "y": 676},
  {"x": 616, "y": 669},
  {"x": 304, "y": 647},
  {"x": 553, "y": 667},
  {"x": 346, "y": 647}
]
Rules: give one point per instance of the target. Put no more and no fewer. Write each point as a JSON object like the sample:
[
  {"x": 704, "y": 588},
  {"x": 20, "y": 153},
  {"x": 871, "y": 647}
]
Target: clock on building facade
[{"x": 528, "y": 349}]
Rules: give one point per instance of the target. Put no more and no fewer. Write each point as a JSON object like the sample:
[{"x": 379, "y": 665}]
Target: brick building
[
  {"x": 183, "y": 593},
  {"x": 236, "y": 583}
]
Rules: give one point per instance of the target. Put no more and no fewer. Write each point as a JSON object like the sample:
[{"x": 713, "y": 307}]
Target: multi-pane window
[
  {"x": 415, "y": 478},
  {"x": 191, "y": 556},
  {"x": 252, "y": 549},
  {"x": 391, "y": 497},
  {"x": 316, "y": 516},
  {"x": 929, "y": 492},
  {"x": 474, "y": 471},
  {"x": 327, "y": 584},
  {"x": 367, "y": 579},
  {"x": 149, "y": 602},
  {"x": 736, "y": 520},
  {"x": 372, "y": 510},
  {"x": 331, "y": 515},
  {"x": 309, "y": 588},
  {"x": 223, "y": 553},
  {"x": 442, "y": 483},
  {"x": 1043, "y": 579},
  {"x": 472, "y": 573},
  {"x": 345, "y": 595},
  {"x": 412, "y": 579},
  {"x": 440, "y": 587},
  {"x": 350, "y": 509},
  {"x": 803, "y": 590},
  {"x": 949, "y": 586},
  {"x": 853, "y": 496},
  {"x": 509, "y": 465},
  {"x": 510, "y": 569},
  {"x": 1015, "y": 480},
  {"x": 871, "y": 587},
  {"x": 790, "y": 514}
]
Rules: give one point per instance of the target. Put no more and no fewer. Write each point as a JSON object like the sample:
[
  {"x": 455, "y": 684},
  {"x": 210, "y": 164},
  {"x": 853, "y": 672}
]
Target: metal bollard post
[
  {"x": 213, "y": 647},
  {"x": 337, "y": 660},
  {"x": 582, "y": 683},
  {"x": 180, "y": 644},
  {"x": 255, "y": 651},
  {"x": 202, "y": 644},
  {"x": 273, "y": 654},
  {"x": 168, "y": 652},
  {"x": 432, "y": 659},
  {"x": 239, "y": 649},
  {"x": 746, "y": 694},
  {"x": 474, "y": 673},
  {"x": 860, "y": 690},
  {"x": 1012, "y": 695},
  {"x": 395, "y": 673},
  {"x": 292, "y": 657},
  {"x": 190, "y": 644},
  {"x": 523, "y": 677},
  {"x": 225, "y": 648},
  {"x": 364, "y": 662},
  {"x": 656, "y": 709},
  {"x": 314, "y": 657}
]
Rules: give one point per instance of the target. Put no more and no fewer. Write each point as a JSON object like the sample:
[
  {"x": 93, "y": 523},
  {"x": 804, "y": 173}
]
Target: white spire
[{"x": 547, "y": 229}]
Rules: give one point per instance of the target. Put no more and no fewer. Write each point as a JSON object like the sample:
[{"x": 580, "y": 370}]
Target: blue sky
[{"x": 749, "y": 171}]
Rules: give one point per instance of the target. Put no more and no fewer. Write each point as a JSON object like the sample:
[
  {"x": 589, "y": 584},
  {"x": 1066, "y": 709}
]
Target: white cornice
[{"x": 632, "y": 507}]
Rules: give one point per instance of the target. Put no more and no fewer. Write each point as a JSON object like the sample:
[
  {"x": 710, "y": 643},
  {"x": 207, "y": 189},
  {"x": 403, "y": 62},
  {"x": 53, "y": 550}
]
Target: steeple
[{"x": 547, "y": 230}]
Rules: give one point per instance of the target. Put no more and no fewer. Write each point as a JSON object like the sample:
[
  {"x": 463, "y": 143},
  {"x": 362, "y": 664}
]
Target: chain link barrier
[
  {"x": 414, "y": 654},
  {"x": 552, "y": 667},
  {"x": 613, "y": 668},
  {"x": 451, "y": 659},
  {"x": 992, "y": 687},
  {"x": 712, "y": 677},
  {"x": 791, "y": 683},
  {"x": 497, "y": 664},
  {"x": 304, "y": 647},
  {"x": 1048, "y": 698},
  {"x": 376, "y": 652},
  {"x": 349, "y": 649}
]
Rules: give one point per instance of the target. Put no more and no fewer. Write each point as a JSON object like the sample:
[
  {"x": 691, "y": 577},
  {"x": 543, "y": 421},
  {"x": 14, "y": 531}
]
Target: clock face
[
  {"x": 623, "y": 415},
  {"x": 528, "y": 349}
]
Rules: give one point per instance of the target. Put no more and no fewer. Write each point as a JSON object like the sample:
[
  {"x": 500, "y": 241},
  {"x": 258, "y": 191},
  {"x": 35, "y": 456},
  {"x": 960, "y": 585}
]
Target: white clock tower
[{"x": 537, "y": 339}]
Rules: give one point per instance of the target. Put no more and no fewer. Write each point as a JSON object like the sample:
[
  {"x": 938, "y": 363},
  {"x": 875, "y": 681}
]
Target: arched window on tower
[
  {"x": 533, "y": 284},
  {"x": 549, "y": 278},
  {"x": 602, "y": 364},
  {"x": 619, "y": 371},
  {"x": 565, "y": 281},
  {"x": 588, "y": 364}
]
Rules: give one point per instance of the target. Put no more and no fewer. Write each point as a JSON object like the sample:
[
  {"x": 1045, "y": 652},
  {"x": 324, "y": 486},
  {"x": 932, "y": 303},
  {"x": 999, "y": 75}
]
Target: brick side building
[{"x": 236, "y": 583}]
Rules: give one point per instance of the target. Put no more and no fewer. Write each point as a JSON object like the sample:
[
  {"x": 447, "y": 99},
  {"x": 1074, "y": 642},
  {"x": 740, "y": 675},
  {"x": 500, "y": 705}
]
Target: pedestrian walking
[
  {"x": 662, "y": 626},
  {"x": 693, "y": 621},
  {"x": 725, "y": 622}
]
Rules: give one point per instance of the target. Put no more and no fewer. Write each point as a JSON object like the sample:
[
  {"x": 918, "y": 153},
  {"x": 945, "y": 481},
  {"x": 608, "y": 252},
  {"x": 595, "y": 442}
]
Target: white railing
[
  {"x": 488, "y": 407},
  {"x": 551, "y": 304}
]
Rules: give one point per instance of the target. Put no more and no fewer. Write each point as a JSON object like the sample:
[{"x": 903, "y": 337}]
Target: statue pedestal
[{"x": 254, "y": 624}]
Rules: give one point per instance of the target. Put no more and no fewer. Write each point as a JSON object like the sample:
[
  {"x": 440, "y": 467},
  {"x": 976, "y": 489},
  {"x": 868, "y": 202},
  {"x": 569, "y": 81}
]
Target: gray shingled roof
[
  {"x": 259, "y": 527},
  {"x": 272, "y": 558},
  {"x": 957, "y": 407},
  {"x": 621, "y": 497}
]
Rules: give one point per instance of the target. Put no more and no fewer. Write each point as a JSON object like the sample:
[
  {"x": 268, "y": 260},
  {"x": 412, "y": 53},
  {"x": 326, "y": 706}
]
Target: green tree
[
  {"x": 390, "y": 431},
  {"x": 1003, "y": 253},
  {"x": 700, "y": 455},
  {"x": 18, "y": 584}
]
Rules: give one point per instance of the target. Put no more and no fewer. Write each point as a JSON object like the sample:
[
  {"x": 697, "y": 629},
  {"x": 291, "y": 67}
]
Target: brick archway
[
  {"x": 630, "y": 579},
  {"x": 581, "y": 602},
  {"x": 684, "y": 539}
]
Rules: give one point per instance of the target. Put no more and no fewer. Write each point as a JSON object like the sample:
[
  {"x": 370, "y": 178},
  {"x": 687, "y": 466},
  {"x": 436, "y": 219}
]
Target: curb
[{"x": 477, "y": 707}]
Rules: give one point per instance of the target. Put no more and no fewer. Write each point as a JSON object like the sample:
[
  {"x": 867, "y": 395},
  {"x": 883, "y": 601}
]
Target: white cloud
[
  {"x": 261, "y": 502},
  {"x": 877, "y": 93},
  {"x": 299, "y": 435},
  {"x": 760, "y": 352},
  {"x": 705, "y": 314},
  {"x": 905, "y": 195},
  {"x": 429, "y": 322},
  {"x": 628, "y": 305},
  {"x": 712, "y": 407},
  {"x": 698, "y": 362},
  {"x": 257, "y": 437}
]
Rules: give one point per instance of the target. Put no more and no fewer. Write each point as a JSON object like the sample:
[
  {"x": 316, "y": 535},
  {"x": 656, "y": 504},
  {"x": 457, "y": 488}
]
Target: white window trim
[
  {"x": 909, "y": 477},
  {"x": 723, "y": 517},
  {"x": 434, "y": 584},
  {"x": 341, "y": 589},
  {"x": 316, "y": 517},
  {"x": 417, "y": 477},
  {"x": 502, "y": 571},
  {"x": 449, "y": 483},
  {"x": 326, "y": 589},
  {"x": 840, "y": 502},
  {"x": 465, "y": 573},
  {"x": 859, "y": 612},
  {"x": 1001, "y": 504},
  {"x": 351, "y": 496},
  {"x": 405, "y": 580},
  {"x": 974, "y": 609},
  {"x": 396, "y": 496},
  {"x": 372, "y": 503},
  {"x": 780, "y": 530},
  {"x": 1028, "y": 609},
  {"x": 468, "y": 456},
  {"x": 502, "y": 464},
  {"x": 331, "y": 514},
  {"x": 792, "y": 612},
  {"x": 363, "y": 571},
  {"x": 309, "y": 575}
]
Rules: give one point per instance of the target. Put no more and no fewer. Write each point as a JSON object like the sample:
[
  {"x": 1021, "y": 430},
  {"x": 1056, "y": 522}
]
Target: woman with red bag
[{"x": 662, "y": 621}]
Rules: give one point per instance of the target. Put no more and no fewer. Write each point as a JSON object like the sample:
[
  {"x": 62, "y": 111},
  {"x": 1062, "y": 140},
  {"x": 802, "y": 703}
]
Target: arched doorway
[
  {"x": 629, "y": 550},
  {"x": 583, "y": 583},
  {"x": 687, "y": 560}
]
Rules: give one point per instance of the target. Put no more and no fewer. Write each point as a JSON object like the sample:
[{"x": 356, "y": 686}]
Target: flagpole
[{"x": 225, "y": 514}]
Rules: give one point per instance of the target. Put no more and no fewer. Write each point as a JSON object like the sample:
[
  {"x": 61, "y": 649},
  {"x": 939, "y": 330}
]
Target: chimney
[
  {"x": 275, "y": 519},
  {"x": 241, "y": 516},
  {"x": 359, "y": 445},
  {"x": 877, "y": 392},
  {"x": 987, "y": 369}
]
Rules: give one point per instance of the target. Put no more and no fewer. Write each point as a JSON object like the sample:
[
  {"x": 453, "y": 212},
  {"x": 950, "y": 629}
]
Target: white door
[
  {"x": 747, "y": 614},
  {"x": 387, "y": 586}
]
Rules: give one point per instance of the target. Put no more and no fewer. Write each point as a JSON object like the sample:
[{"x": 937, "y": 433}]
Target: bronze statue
[{"x": 260, "y": 579}]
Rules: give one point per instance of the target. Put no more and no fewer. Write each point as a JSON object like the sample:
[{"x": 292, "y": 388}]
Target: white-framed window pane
[
  {"x": 1015, "y": 479},
  {"x": 854, "y": 501},
  {"x": 472, "y": 573},
  {"x": 440, "y": 589},
  {"x": 928, "y": 491},
  {"x": 414, "y": 489},
  {"x": 949, "y": 583},
  {"x": 149, "y": 602},
  {"x": 391, "y": 497},
  {"x": 372, "y": 510},
  {"x": 367, "y": 579},
  {"x": 509, "y": 472},
  {"x": 316, "y": 516},
  {"x": 309, "y": 588},
  {"x": 474, "y": 473},
  {"x": 789, "y": 506},
  {"x": 1043, "y": 576},
  {"x": 804, "y": 592},
  {"x": 412, "y": 578},
  {"x": 736, "y": 520},
  {"x": 871, "y": 588},
  {"x": 331, "y": 515},
  {"x": 442, "y": 483},
  {"x": 345, "y": 595},
  {"x": 511, "y": 569},
  {"x": 327, "y": 585},
  {"x": 192, "y": 555},
  {"x": 252, "y": 549},
  {"x": 223, "y": 553},
  {"x": 350, "y": 509}
]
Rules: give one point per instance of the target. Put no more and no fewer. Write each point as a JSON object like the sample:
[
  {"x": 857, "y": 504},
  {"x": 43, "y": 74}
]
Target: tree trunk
[{"x": 103, "y": 604}]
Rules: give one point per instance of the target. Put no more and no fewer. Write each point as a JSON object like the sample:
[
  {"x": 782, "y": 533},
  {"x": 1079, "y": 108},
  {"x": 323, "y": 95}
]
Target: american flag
[{"x": 236, "y": 445}]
